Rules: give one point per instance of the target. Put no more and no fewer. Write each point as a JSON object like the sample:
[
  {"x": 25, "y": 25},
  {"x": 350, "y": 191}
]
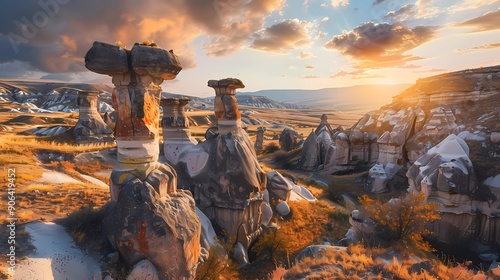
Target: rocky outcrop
[
  {"x": 225, "y": 176},
  {"x": 148, "y": 218},
  {"x": 175, "y": 125},
  {"x": 445, "y": 174},
  {"x": 165, "y": 230},
  {"x": 391, "y": 154},
  {"x": 454, "y": 87},
  {"x": 90, "y": 126},
  {"x": 350, "y": 149},
  {"x": 289, "y": 139},
  {"x": 259, "y": 139}
]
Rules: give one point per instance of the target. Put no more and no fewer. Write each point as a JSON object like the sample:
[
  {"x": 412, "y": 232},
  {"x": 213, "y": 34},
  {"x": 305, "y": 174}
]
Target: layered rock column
[
  {"x": 229, "y": 188},
  {"x": 175, "y": 124},
  {"x": 149, "y": 219},
  {"x": 90, "y": 126}
]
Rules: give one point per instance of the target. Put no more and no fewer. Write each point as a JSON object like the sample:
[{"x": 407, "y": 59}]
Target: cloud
[
  {"x": 339, "y": 3},
  {"x": 377, "y": 2},
  {"x": 306, "y": 54},
  {"x": 311, "y": 77},
  {"x": 404, "y": 13},
  {"x": 482, "y": 47},
  {"x": 54, "y": 37},
  {"x": 58, "y": 76},
  {"x": 356, "y": 74},
  {"x": 310, "y": 67},
  {"x": 282, "y": 37},
  {"x": 431, "y": 70},
  {"x": 374, "y": 76},
  {"x": 345, "y": 73},
  {"x": 467, "y": 5},
  {"x": 488, "y": 21},
  {"x": 380, "y": 45},
  {"x": 17, "y": 69}
]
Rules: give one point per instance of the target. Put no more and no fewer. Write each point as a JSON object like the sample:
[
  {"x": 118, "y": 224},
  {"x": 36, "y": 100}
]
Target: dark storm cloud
[
  {"x": 486, "y": 22},
  {"x": 376, "y": 2},
  {"x": 380, "y": 45},
  {"x": 54, "y": 35}
]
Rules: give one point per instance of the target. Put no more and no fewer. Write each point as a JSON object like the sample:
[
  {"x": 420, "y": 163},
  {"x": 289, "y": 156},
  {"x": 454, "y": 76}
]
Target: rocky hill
[
  {"x": 441, "y": 137},
  {"x": 40, "y": 96}
]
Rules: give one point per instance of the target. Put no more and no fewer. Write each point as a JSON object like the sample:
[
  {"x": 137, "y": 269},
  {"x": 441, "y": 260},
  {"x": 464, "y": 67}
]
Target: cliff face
[
  {"x": 463, "y": 106},
  {"x": 454, "y": 87}
]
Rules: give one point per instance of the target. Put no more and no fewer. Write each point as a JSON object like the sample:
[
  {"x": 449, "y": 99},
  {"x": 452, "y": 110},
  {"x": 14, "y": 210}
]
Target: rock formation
[
  {"x": 289, "y": 139},
  {"x": 260, "y": 139},
  {"x": 175, "y": 124},
  {"x": 227, "y": 180},
  {"x": 148, "y": 217},
  {"x": 90, "y": 126},
  {"x": 391, "y": 154},
  {"x": 337, "y": 150},
  {"x": 445, "y": 174},
  {"x": 454, "y": 87}
]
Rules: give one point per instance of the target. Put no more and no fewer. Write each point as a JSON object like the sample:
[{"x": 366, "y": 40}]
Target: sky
[{"x": 268, "y": 44}]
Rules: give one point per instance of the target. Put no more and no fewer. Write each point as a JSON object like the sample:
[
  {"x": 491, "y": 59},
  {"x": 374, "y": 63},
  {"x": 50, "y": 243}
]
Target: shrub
[
  {"x": 271, "y": 148},
  {"x": 403, "y": 220}
]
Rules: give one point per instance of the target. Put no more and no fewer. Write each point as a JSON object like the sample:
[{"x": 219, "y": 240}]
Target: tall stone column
[
  {"x": 233, "y": 193},
  {"x": 150, "y": 220},
  {"x": 225, "y": 104},
  {"x": 175, "y": 124},
  {"x": 259, "y": 141},
  {"x": 90, "y": 126}
]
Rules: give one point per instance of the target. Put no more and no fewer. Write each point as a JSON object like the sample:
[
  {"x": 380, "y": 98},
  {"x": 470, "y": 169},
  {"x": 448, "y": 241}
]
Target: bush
[
  {"x": 271, "y": 148},
  {"x": 403, "y": 220}
]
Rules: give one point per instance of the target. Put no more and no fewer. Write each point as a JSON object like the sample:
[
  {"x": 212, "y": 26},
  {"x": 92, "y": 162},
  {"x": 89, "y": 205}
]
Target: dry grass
[
  {"x": 364, "y": 263},
  {"x": 34, "y": 143},
  {"x": 40, "y": 187}
]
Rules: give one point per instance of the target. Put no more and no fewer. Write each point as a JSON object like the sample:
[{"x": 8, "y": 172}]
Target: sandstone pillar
[
  {"x": 175, "y": 124},
  {"x": 90, "y": 126},
  {"x": 260, "y": 139},
  {"x": 151, "y": 219}
]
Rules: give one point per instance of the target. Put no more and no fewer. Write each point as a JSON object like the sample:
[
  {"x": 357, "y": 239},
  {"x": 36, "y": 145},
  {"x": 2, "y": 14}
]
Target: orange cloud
[{"x": 380, "y": 45}]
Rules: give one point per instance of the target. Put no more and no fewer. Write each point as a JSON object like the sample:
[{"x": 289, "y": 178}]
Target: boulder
[
  {"x": 289, "y": 139},
  {"x": 282, "y": 208},
  {"x": 106, "y": 59},
  {"x": 278, "y": 187},
  {"x": 143, "y": 270},
  {"x": 154, "y": 62},
  {"x": 164, "y": 230}
]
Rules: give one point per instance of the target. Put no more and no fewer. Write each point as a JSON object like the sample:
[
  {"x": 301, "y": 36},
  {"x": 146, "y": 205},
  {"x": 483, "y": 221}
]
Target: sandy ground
[
  {"x": 95, "y": 181},
  {"x": 56, "y": 256},
  {"x": 54, "y": 177}
]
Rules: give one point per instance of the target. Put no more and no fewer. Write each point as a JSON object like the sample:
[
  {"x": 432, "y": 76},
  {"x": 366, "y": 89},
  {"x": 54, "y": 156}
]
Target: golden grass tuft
[{"x": 41, "y": 187}]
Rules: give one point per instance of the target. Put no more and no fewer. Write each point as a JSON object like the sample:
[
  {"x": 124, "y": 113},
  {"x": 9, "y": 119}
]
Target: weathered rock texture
[
  {"x": 455, "y": 87},
  {"x": 289, "y": 139},
  {"x": 260, "y": 139},
  {"x": 337, "y": 150},
  {"x": 175, "y": 124},
  {"x": 162, "y": 229},
  {"x": 90, "y": 126},
  {"x": 445, "y": 175},
  {"x": 148, "y": 218},
  {"x": 136, "y": 76},
  {"x": 224, "y": 173}
]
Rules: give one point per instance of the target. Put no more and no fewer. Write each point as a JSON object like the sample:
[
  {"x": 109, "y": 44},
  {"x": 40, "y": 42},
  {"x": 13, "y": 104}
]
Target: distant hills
[
  {"x": 356, "y": 99},
  {"x": 362, "y": 98}
]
